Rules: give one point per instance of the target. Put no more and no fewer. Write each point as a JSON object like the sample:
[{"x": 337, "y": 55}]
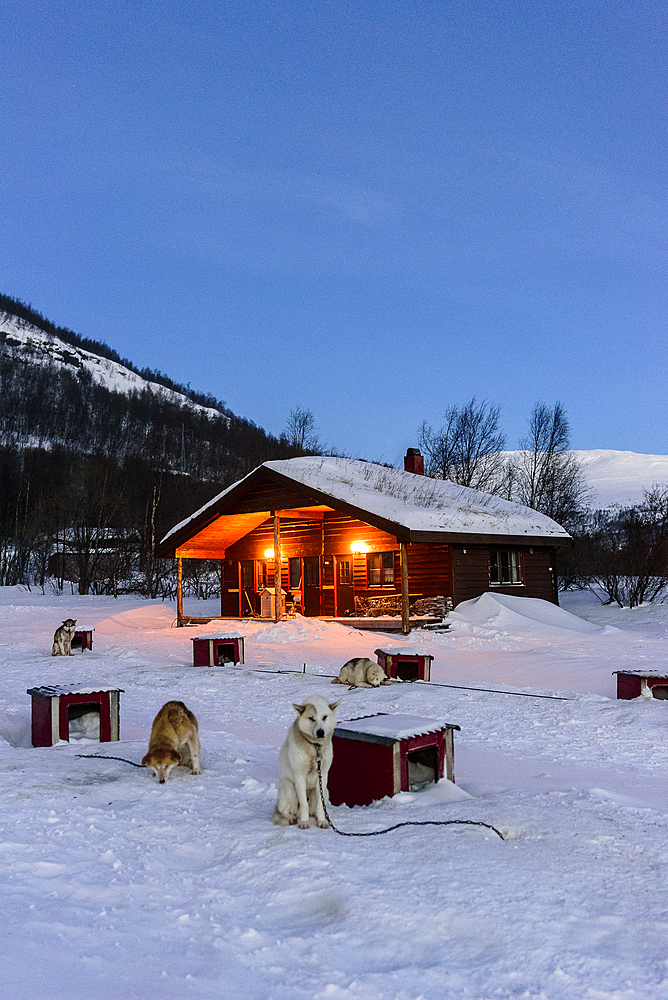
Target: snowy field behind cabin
[{"x": 117, "y": 888}]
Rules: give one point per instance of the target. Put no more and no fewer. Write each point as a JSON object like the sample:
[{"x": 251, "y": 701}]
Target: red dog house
[
  {"x": 217, "y": 650},
  {"x": 637, "y": 683},
  {"x": 83, "y": 639},
  {"x": 405, "y": 664},
  {"x": 385, "y": 754},
  {"x": 73, "y": 713}
]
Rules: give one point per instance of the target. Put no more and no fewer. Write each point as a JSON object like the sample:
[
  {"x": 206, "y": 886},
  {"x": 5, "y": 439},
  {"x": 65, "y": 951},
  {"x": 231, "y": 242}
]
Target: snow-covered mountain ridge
[
  {"x": 21, "y": 339},
  {"x": 619, "y": 477}
]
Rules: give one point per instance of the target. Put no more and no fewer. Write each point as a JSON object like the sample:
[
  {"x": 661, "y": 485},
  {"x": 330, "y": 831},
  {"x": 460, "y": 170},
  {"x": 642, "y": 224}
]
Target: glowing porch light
[
  {"x": 268, "y": 553},
  {"x": 358, "y": 548}
]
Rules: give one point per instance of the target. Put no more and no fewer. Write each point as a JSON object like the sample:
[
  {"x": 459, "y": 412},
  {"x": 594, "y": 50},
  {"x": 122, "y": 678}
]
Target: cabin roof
[{"x": 411, "y": 507}]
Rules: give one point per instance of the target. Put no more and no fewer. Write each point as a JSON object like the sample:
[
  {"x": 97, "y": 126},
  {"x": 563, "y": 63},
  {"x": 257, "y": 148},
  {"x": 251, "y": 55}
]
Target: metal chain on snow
[
  {"x": 410, "y": 822},
  {"x": 100, "y": 756}
]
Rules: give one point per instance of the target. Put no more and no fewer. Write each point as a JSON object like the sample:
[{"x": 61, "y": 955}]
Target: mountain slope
[
  {"x": 55, "y": 393},
  {"x": 619, "y": 477}
]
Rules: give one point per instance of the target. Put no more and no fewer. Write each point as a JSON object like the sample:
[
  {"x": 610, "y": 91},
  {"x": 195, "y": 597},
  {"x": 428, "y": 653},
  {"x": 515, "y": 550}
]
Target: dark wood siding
[
  {"x": 341, "y": 531},
  {"x": 539, "y": 577},
  {"x": 298, "y": 538},
  {"x": 429, "y": 570},
  {"x": 470, "y": 570}
]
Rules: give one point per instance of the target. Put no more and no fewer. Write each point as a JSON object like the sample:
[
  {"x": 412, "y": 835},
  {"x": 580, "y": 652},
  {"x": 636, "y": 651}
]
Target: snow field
[{"x": 116, "y": 888}]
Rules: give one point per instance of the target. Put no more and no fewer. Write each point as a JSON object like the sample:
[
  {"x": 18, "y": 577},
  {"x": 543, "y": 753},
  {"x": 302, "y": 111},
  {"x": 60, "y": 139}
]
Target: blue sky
[{"x": 374, "y": 210}]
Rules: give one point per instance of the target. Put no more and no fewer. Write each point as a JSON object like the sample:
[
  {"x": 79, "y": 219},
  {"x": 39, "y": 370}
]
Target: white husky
[
  {"x": 309, "y": 736},
  {"x": 361, "y": 672}
]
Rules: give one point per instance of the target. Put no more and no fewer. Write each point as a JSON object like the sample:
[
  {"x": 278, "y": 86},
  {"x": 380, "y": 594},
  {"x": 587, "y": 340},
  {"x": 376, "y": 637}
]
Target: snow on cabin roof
[{"x": 417, "y": 503}]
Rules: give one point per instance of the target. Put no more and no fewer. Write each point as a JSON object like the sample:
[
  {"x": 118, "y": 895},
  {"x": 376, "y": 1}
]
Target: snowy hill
[
  {"x": 619, "y": 477},
  {"x": 23, "y": 341},
  {"x": 63, "y": 392}
]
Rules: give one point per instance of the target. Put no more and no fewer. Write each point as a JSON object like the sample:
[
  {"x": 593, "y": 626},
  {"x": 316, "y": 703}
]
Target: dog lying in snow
[
  {"x": 174, "y": 740},
  {"x": 62, "y": 639},
  {"x": 361, "y": 673},
  {"x": 298, "y": 787}
]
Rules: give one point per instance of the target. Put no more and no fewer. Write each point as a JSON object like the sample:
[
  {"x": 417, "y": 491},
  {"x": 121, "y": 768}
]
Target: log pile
[
  {"x": 438, "y": 607},
  {"x": 390, "y": 605},
  {"x": 377, "y": 607}
]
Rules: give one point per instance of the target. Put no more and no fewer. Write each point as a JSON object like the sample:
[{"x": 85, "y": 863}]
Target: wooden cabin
[{"x": 342, "y": 535}]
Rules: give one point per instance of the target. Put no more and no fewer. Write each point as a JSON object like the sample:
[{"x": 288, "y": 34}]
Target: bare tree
[
  {"x": 468, "y": 448},
  {"x": 547, "y": 476},
  {"x": 300, "y": 431},
  {"x": 628, "y": 551}
]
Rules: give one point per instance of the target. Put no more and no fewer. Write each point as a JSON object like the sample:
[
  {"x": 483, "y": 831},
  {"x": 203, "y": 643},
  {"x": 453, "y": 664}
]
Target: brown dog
[{"x": 174, "y": 740}]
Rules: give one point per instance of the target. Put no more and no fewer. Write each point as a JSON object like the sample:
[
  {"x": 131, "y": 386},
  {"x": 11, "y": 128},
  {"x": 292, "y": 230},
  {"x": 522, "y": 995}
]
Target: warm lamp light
[
  {"x": 268, "y": 553},
  {"x": 359, "y": 547}
]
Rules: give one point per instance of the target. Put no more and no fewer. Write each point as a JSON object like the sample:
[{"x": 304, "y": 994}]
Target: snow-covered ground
[{"x": 118, "y": 888}]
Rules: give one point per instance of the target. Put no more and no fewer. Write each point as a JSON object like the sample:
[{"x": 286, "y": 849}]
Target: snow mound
[{"x": 528, "y": 615}]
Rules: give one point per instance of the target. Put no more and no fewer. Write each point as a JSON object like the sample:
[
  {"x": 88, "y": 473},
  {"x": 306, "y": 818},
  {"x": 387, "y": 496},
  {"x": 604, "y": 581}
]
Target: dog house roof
[
  {"x": 414, "y": 508},
  {"x": 55, "y": 690},
  {"x": 217, "y": 637},
  {"x": 404, "y": 651},
  {"x": 394, "y": 727},
  {"x": 643, "y": 673}
]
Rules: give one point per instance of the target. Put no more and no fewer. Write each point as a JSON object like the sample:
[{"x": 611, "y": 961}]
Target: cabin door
[
  {"x": 311, "y": 586},
  {"x": 247, "y": 593},
  {"x": 343, "y": 568}
]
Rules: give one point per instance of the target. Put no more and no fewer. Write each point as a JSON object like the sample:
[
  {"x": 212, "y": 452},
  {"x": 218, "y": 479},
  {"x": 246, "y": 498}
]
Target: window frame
[
  {"x": 381, "y": 570},
  {"x": 514, "y": 566}
]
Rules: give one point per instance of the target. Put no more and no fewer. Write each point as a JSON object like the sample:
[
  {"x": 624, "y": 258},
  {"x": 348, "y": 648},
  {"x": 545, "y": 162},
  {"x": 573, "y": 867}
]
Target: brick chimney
[{"x": 414, "y": 462}]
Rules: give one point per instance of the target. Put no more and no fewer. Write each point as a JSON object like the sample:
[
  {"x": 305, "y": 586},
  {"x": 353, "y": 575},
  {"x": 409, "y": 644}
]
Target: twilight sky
[{"x": 374, "y": 210}]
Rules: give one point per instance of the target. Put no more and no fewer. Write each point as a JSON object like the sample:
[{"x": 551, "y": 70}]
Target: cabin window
[
  {"x": 311, "y": 573},
  {"x": 380, "y": 569},
  {"x": 345, "y": 575},
  {"x": 295, "y": 575},
  {"x": 261, "y": 573},
  {"x": 505, "y": 567}
]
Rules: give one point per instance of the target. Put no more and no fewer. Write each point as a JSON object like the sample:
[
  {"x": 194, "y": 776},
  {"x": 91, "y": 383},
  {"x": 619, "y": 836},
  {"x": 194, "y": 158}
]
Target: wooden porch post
[
  {"x": 179, "y": 591},
  {"x": 277, "y": 568},
  {"x": 405, "y": 613}
]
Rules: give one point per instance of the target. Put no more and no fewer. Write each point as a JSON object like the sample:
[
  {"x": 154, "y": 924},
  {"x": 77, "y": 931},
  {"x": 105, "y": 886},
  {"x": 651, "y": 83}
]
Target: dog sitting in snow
[
  {"x": 62, "y": 638},
  {"x": 309, "y": 737},
  {"x": 174, "y": 740},
  {"x": 361, "y": 673}
]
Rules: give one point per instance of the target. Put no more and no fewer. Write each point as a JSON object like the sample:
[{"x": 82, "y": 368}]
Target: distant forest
[{"x": 91, "y": 478}]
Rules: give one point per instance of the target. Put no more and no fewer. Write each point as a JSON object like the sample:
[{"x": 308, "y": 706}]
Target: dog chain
[
  {"x": 342, "y": 833},
  {"x": 100, "y": 756},
  {"x": 410, "y": 822}
]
